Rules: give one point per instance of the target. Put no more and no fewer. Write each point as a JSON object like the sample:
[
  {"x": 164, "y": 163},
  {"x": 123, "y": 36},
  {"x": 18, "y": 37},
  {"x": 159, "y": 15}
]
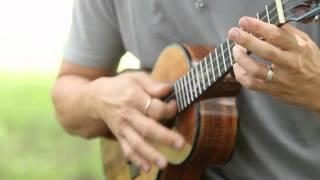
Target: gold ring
[
  {"x": 147, "y": 106},
  {"x": 269, "y": 74}
]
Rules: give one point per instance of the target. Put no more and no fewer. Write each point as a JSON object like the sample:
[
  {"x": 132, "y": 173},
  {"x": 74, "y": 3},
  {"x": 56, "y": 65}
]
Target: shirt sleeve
[{"x": 94, "y": 38}]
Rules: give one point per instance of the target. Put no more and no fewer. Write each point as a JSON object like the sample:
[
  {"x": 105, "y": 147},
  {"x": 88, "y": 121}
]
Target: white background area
[{"x": 32, "y": 33}]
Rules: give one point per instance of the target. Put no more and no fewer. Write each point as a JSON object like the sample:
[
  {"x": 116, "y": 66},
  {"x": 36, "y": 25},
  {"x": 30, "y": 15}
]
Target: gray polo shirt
[{"x": 275, "y": 141}]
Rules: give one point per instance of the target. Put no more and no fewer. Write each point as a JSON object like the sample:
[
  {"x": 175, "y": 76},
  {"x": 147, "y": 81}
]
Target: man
[{"x": 278, "y": 106}]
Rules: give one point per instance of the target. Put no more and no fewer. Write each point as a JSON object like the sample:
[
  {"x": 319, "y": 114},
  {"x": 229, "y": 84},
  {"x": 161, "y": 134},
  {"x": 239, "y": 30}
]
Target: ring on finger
[
  {"x": 147, "y": 106},
  {"x": 270, "y": 74}
]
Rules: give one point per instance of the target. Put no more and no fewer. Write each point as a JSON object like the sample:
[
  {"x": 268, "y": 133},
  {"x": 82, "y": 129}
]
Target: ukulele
[{"x": 206, "y": 101}]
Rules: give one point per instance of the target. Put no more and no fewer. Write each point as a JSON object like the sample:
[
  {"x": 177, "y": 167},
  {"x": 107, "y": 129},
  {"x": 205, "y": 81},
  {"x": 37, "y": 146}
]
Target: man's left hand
[{"x": 294, "y": 59}]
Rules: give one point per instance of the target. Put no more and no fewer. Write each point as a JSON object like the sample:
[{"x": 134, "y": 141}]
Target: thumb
[{"x": 153, "y": 88}]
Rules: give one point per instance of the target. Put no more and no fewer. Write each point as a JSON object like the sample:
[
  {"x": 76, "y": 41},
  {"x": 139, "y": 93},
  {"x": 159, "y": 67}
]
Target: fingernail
[
  {"x": 146, "y": 168},
  {"x": 237, "y": 48},
  {"x": 178, "y": 144},
  {"x": 161, "y": 163},
  {"x": 234, "y": 34},
  {"x": 244, "y": 23},
  {"x": 162, "y": 86}
]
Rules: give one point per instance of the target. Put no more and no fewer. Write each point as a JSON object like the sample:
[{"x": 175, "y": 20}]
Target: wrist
[{"x": 92, "y": 97}]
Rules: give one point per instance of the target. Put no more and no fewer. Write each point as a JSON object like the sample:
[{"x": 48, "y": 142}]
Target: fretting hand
[{"x": 295, "y": 58}]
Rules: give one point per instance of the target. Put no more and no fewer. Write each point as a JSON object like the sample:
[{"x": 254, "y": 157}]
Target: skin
[
  {"x": 294, "y": 56},
  {"x": 90, "y": 102}
]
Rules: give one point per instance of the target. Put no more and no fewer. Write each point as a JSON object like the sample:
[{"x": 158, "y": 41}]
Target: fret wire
[
  {"x": 209, "y": 71},
  {"x": 206, "y": 75},
  {"x": 199, "y": 76},
  {"x": 211, "y": 61},
  {"x": 186, "y": 89},
  {"x": 273, "y": 18},
  {"x": 217, "y": 59},
  {"x": 198, "y": 79},
  {"x": 267, "y": 14},
  {"x": 194, "y": 83},
  {"x": 264, "y": 12},
  {"x": 274, "y": 15},
  {"x": 203, "y": 83},
  {"x": 206, "y": 63},
  {"x": 220, "y": 64},
  {"x": 223, "y": 58},
  {"x": 183, "y": 93},
  {"x": 190, "y": 86},
  {"x": 177, "y": 97},
  {"x": 230, "y": 55},
  {"x": 180, "y": 96},
  {"x": 226, "y": 53}
]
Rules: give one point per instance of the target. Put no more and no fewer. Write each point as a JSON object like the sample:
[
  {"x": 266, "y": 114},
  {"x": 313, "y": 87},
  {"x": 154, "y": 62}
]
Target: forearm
[{"x": 73, "y": 104}]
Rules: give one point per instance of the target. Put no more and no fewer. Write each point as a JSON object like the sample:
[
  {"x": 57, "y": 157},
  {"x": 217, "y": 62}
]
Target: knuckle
[
  {"x": 255, "y": 27},
  {"x": 274, "y": 34},
  {"x": 236, "y": 53},
  {"x": 245, "y": 40},
  {"x": 142, "y": 74},
  {"x": 124, "y": 113},
  {"x": 304, "y": 45},
  {"x": 248, "y": 83},
  {"x": 294, "y": 66},
  {"x": 145, "y": 132},
  {"x": 305, "y": 36},
  {"x": 255, "y": 72},
  {"x": 139, "y": 76},
  {"x": 136, "y": 144},
  {"x": 238, "y": 76},
  {"x": 122, "y": 131},
  {"x": 269, "y": 53},
  {"x": 129, "y": 95}
]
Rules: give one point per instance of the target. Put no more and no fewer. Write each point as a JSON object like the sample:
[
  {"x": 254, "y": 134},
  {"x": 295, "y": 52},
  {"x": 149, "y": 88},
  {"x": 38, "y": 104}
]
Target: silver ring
[
  {"x": 270, "y": 74},
  {"x": 147, "y": 106}
]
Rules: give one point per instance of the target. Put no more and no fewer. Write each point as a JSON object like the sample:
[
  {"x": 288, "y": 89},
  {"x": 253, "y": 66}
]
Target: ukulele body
[{"x": 209, "y": 126}]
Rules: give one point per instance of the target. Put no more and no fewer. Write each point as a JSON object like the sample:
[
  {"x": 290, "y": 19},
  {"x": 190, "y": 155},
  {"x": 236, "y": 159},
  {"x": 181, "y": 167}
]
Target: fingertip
[
  {"x": 244, "y": 22},
  {"x": 173, "y": 104},
  {"x": 235, "y": 66},
  {"x": 162, "y": 163},
  {"x": 234, "y": 34},
  {"x": 171, "y": 109},
  {"x": 179, "y": 144},
  {"x": 165, "y": 86},
  {"x": 160, "y": 89},
  {"x": 146, "y": 168}
]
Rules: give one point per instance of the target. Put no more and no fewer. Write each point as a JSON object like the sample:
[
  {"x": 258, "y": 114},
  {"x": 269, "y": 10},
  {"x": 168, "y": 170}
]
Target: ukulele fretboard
[{"x": 214, "y": 66}]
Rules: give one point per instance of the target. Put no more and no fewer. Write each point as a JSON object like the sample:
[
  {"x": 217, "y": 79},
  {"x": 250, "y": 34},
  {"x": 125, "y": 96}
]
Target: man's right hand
[
  {"x": 120, "y": 101},
  {"x": 91, "y": 101}
]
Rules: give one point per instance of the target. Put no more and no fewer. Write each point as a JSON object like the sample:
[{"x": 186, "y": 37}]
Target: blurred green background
[{"x": 32, "y": 143}]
